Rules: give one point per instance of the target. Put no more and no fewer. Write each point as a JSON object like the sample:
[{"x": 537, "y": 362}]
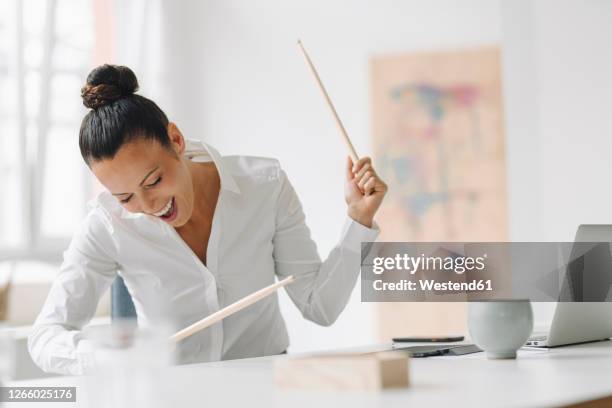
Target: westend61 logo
[{"x": 411, "y": 264}]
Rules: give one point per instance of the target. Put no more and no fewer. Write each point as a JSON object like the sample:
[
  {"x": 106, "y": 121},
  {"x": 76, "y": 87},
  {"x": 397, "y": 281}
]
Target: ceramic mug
[{"x": 500, "y": 327}]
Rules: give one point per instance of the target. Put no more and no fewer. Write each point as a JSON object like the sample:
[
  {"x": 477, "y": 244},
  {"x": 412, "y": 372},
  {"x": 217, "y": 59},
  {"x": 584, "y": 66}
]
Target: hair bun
[{"x": 108, "y": 83}]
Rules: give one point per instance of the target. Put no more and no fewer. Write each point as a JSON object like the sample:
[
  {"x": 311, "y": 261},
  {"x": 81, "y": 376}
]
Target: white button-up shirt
[{"x": 258, "y": 233}]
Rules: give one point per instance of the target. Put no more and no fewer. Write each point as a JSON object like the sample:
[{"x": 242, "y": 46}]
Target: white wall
[
  {"x": 558, "y": 83},
  {"x": 229, "y": 73},
  {"x": 574, "y": 73}
]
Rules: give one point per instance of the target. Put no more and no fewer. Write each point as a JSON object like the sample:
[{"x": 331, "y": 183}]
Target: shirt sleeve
[
  {"x": 321, "y": 289},
  {"x": 56, "y": 342}
]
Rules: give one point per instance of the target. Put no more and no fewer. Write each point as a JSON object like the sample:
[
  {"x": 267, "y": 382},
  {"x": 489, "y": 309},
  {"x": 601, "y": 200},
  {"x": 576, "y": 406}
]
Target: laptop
[{"x": 579, "y": 322}]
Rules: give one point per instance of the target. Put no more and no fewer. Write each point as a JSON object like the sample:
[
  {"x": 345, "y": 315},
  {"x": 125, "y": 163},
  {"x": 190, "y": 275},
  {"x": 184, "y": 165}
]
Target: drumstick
[
  {"x": 346, "y": 138},
  {"x": 229, "y": 310}
]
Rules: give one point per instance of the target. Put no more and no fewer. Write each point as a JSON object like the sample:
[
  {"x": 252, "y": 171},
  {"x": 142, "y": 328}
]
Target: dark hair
[{"x": 118, "y": 115}]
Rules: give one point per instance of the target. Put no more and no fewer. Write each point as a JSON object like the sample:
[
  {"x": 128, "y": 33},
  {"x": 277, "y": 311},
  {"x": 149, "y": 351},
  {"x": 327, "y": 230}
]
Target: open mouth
[{"x": 168, "y": 213}]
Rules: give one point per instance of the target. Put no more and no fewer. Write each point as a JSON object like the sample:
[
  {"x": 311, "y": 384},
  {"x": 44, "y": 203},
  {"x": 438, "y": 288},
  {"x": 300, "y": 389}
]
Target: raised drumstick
[
  {"x": 230, "y": 310},
  {"x": 345, "y": 136}
]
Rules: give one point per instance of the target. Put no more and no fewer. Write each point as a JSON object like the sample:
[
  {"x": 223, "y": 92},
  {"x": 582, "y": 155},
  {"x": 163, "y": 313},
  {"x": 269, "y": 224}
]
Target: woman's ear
[{"x": 177, "y": 141}]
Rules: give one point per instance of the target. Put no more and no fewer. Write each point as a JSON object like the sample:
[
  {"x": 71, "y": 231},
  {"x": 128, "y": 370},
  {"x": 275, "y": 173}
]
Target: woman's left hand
[{"x": 363, "y": 191}]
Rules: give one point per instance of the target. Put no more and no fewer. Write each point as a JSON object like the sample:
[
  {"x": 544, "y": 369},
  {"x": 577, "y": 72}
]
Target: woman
[{"x": 190, "y": 232}]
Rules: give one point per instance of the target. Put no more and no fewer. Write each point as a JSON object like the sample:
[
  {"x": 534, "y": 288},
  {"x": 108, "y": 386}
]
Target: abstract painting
[{"x": 439, "y": 144}]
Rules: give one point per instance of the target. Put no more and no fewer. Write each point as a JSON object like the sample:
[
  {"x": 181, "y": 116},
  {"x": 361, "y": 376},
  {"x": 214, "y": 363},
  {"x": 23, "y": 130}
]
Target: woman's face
[{"x": 148, "y": 178}]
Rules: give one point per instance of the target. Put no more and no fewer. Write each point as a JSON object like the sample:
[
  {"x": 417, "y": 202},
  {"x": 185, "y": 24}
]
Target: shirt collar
[{"x": 199, "y": 151}]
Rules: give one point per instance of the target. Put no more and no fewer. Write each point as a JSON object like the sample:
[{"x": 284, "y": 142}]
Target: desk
[{"x": 538, "y": 378}]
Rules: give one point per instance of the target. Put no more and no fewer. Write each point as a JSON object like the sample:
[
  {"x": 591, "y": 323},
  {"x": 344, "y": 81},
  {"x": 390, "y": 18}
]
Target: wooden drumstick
[
  {"x": 345, "y": 136},
  {"x": 229, "y": 310}
]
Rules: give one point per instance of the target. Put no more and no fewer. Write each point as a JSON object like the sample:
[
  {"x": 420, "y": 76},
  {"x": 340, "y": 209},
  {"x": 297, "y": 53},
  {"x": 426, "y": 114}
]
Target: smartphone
[
  {"x": 427, "y": 339},
  {"x": 461, "y": 350},
  {"x": 430, "y": 351}
]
